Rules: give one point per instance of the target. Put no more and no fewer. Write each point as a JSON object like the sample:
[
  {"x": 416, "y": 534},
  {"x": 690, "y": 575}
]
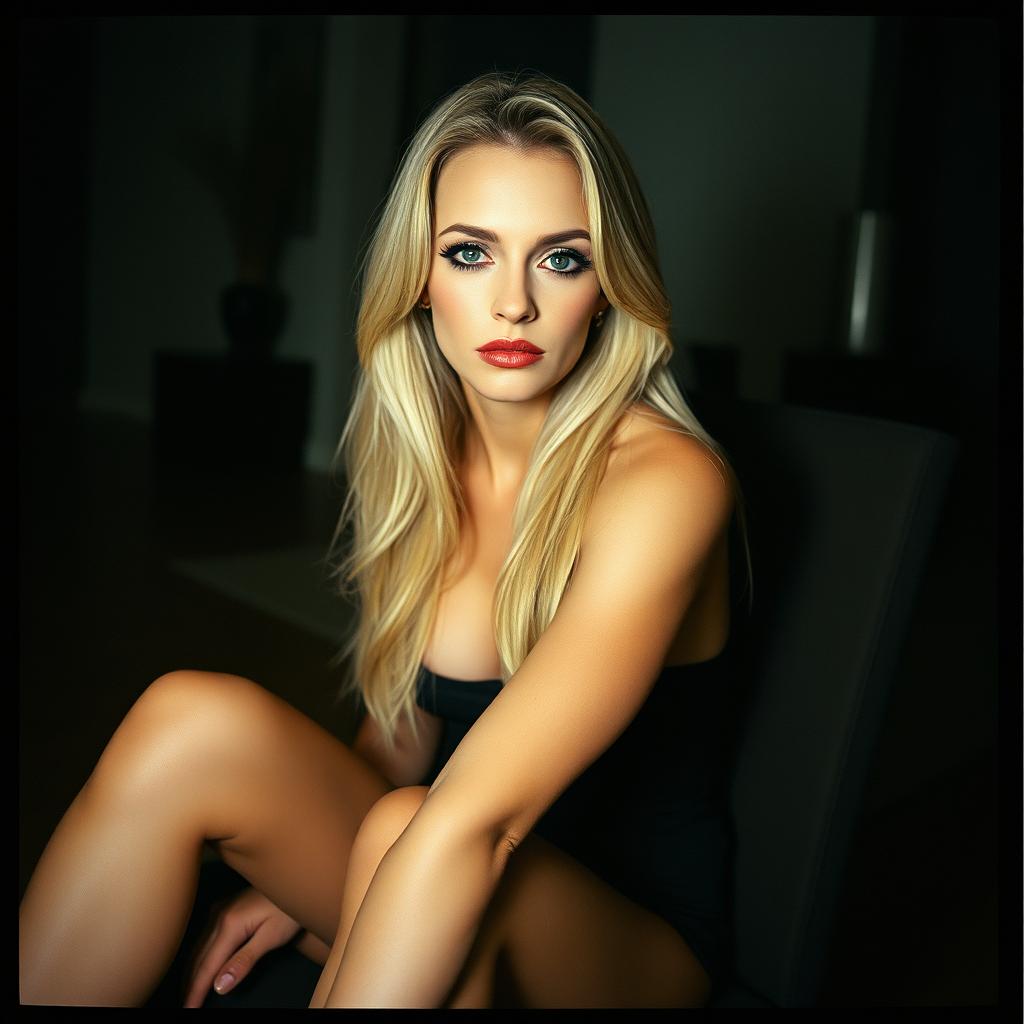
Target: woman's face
[{"x": 493, "y": 276}]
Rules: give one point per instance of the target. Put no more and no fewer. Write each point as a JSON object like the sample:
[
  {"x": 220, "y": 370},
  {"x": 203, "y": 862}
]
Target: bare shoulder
[
  {"x": 645, "y": 437},
  {"x": 660, "y": 470}
]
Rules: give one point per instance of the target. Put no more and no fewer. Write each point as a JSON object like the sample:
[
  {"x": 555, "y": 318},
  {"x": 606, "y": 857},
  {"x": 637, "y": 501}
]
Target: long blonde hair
[{"x": 405, "y": 431}]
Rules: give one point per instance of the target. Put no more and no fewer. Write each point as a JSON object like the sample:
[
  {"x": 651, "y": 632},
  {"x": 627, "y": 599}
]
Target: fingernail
[{"x": 224, "y": 982}]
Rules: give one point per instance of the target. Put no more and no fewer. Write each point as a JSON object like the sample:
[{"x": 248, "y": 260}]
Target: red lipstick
[
  {"x": 511, "y": 345},
  {"x": 510, "y": 353}
]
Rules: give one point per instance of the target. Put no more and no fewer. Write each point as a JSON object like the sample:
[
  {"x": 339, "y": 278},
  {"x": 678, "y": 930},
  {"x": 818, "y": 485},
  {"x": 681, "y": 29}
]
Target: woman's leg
[{"x": 200, "y": 756}]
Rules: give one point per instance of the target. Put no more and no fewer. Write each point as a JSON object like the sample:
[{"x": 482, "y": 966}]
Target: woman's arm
[{"x": 419, "y": 910}]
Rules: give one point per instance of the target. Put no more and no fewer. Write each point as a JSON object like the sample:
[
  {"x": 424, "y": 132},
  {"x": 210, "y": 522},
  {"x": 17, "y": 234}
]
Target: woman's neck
[{"x": 500, "y": 437}]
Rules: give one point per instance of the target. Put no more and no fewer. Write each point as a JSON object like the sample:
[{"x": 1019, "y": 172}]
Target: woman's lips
[
  {"x": 510, "y": 353},
  {"x": 509, "y": 360},
  {"x": 514, "y": 344}
]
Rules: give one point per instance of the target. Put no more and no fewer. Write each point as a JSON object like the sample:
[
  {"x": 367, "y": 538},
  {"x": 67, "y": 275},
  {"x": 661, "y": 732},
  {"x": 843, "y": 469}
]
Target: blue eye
[{"x": 449, "y": 252}]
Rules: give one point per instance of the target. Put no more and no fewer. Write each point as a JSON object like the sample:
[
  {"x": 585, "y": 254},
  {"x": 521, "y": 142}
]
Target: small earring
[
  {"x": 599, "y": 319},
  {"x": 424, "y": 305}
]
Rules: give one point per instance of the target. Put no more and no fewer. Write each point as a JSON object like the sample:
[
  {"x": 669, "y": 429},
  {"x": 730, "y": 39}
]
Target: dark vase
[{"x": 253, "y": 315}]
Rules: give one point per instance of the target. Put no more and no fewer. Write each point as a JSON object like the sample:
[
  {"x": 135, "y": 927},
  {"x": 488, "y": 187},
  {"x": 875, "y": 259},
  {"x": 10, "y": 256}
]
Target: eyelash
[{"x": 449, "y": 251}]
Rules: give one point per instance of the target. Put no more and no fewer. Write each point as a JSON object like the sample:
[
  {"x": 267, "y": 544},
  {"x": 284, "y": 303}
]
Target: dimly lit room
[{"x": 222, "y": 267}]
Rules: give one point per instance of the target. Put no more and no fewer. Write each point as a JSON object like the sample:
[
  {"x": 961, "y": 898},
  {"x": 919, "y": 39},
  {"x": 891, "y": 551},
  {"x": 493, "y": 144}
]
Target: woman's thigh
[
  {"x": 570, "y": 939},
  {"x": 276, "y": 795}
]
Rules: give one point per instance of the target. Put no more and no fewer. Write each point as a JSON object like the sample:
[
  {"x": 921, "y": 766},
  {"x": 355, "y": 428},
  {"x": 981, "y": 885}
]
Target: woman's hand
[{"x": 244, "y": 928}]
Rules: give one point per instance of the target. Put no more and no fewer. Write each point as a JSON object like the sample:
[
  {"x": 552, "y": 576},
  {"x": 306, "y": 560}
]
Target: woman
[{"x": 540, "y": 546}]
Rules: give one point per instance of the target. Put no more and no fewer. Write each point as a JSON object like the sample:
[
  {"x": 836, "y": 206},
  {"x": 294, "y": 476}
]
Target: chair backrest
[{"x": 841, "y": 513}]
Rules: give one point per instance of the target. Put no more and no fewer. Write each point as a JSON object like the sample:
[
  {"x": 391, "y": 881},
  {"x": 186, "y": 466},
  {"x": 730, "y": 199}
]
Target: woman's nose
[{"x": 513, "y": 301}]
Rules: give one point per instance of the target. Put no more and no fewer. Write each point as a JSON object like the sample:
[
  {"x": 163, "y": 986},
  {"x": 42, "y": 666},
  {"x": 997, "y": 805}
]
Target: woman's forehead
[{"x": 496, "y": 188}]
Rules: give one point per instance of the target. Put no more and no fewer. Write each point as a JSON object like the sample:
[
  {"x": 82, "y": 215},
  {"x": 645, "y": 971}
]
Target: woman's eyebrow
[{"x": 558, "y": 236}]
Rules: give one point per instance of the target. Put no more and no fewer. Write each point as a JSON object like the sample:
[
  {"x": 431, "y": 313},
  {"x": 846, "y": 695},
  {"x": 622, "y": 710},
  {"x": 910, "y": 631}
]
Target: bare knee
[
  {"x": 193, "y": 685},
  {"x": 388, "y": 817},
  {"x": 182, "y": 727}
]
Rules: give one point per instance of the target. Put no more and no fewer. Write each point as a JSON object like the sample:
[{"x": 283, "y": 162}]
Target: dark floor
[{"x": 101, "y": 616}]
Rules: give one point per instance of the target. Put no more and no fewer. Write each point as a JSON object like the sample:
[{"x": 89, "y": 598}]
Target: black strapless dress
[{"x": 651, "y": 815}]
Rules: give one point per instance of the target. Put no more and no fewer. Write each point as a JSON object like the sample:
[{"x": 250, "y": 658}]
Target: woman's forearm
[{"x": 417, "y": 921}]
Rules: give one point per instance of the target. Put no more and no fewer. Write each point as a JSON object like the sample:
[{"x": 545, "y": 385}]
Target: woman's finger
[
  {"x": 201, "y": 949},
  {"x": 214, "y": 923},
  {"x": 229, "y": 955}
]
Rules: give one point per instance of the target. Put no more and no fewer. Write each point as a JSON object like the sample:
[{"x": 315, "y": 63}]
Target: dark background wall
[
  {"x": 757, "y": 139},
  {"x": 55, "y": 106}
]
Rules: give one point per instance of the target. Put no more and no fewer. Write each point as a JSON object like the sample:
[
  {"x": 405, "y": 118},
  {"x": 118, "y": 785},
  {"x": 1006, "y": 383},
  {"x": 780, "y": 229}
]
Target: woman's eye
[
  {"x": 473, "y": 254},
  {"x": 562, "y": 261}
]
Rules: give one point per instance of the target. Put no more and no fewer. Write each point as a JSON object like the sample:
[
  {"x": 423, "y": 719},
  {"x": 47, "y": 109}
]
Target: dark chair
[{"x": 842, "y": 509}]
